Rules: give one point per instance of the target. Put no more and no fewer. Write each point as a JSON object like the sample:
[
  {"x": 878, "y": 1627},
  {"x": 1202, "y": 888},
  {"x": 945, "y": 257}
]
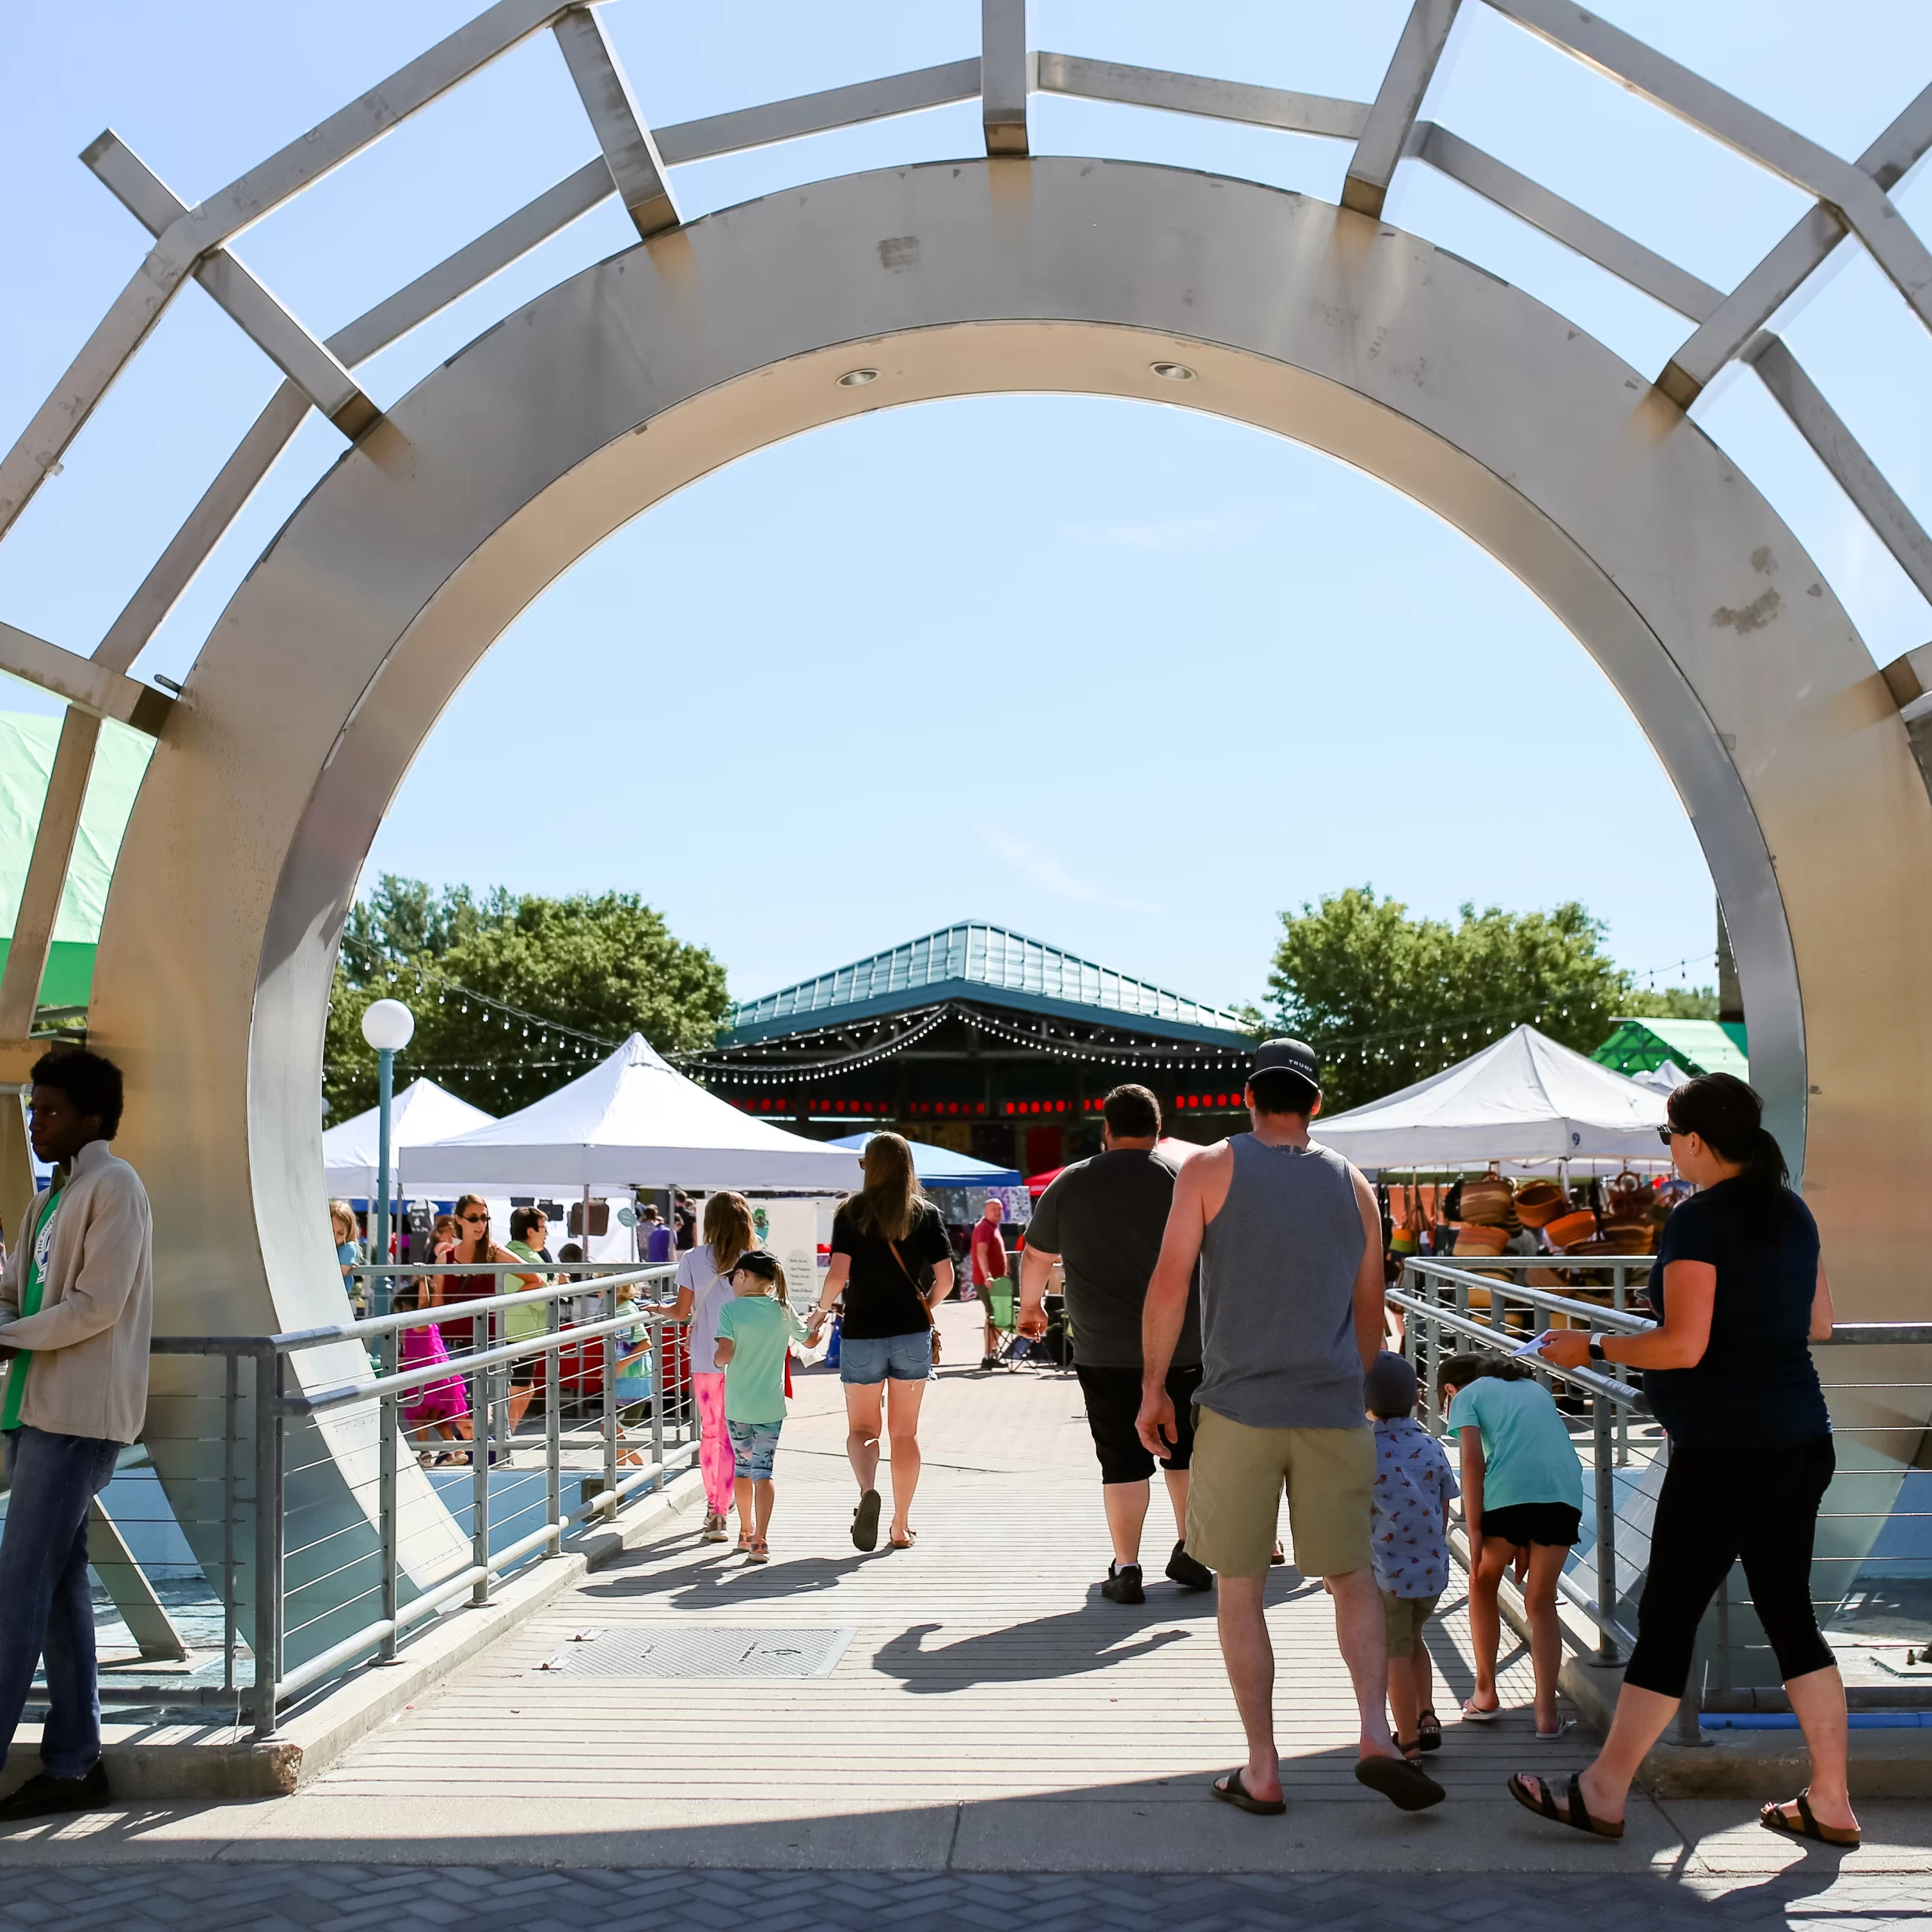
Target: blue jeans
[
  {"x": 45, "y": 1605},
  {"x": 869, "y": 1359}
]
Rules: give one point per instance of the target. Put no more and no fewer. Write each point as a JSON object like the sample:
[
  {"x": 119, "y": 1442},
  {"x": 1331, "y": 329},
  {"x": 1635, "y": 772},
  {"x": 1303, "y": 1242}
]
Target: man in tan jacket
[{"x": 76, "y": 1308}]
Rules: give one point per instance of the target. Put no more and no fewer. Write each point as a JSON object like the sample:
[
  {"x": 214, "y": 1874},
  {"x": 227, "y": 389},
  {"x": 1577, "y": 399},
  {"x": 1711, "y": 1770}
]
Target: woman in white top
[{"x": 704, "y": 1286}]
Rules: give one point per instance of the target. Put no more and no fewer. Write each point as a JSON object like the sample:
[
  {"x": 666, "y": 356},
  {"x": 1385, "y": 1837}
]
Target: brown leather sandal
[{"x": 1773, "y": 1818}]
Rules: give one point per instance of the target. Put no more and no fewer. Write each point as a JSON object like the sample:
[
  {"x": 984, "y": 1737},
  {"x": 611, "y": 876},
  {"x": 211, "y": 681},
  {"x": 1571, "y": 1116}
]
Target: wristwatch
[{"x": 1596, "y": 1347}]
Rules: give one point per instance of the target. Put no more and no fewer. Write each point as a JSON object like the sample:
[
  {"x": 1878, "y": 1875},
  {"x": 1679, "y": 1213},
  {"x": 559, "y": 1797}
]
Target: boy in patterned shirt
[{"x": 1408, "y": 1542}]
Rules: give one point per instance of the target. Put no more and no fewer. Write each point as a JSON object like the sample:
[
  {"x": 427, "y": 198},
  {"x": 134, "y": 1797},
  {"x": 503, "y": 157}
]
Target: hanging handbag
[{"x": 925, "y": 1307}]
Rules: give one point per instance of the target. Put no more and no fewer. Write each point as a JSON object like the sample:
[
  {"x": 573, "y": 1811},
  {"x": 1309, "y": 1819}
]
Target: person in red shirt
[{"x": 990, "y": 1266}]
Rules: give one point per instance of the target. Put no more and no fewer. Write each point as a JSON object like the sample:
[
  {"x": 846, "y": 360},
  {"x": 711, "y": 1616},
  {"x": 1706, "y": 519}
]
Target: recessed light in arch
[
  {"x": 1172, "y": 372},
  {"x": 857, "y": 378}
]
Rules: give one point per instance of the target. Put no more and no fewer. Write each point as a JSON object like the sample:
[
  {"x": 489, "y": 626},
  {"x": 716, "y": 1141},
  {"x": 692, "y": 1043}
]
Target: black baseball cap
[
  {"x": 1389, "y": 1388},
  {"x": 1292, "y": 1056}
]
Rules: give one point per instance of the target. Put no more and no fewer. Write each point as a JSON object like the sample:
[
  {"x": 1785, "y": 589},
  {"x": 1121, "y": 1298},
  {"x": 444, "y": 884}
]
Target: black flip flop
[
  {"x": 1773, "y": 1818},
  {"x": 1406, "y": 1786},
  {"x": 1576, "y": 1813},
  {"x": 1230, "y": 1790},
  {"x": 865, "y": 1521}
]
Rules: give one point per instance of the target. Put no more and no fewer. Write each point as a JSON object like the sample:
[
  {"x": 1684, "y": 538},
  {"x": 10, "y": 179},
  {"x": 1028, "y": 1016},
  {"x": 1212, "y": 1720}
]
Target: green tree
[
  {"x": 1385, "y": 999},
  {"x": 588, "y": 972},
  {"x": 1670, "y": 1003}
]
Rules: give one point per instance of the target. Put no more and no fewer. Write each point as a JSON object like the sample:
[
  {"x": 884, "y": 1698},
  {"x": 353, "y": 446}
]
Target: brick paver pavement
[{"x": 207, "y": 1895}]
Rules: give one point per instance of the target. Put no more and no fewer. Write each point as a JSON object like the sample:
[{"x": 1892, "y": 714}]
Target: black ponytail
[
  {"x": 1459, "y": 1371},
  {"x": 1729, "y": 1117}
]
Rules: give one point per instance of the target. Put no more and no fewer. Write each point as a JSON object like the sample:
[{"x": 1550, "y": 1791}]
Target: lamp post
[{"x": 388, "y": 1026}]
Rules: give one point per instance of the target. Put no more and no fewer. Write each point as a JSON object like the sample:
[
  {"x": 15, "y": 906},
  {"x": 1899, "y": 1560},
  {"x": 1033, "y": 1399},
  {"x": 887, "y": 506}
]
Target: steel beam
[
  {"x": 1840, "y": 451},
  {"x": 46, "y": 880},
  {"x": 1194, "y": 93},
  {"x": 324, "y": 149},
  {"x": 296, "y": 353},
  {"x": 635, "y": 166},
  {"x": 63, "y": 416},
  {"x": 474, "y": 263},
  {"x": 81, "y": 681},
  {"x": 1908, "y": 678},
  {"x": 1751, "y": 304},
  {"x": 1006, "y": 74},
  {"x": 743, "y": 128},
  {"x": 1563, "y": 221},
  {"x": 1628, "y": 61},
  {"x": 1398, "y": 102}
]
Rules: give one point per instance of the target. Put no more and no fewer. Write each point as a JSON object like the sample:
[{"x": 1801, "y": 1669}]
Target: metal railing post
[
  {"x": 479, "y": 1462},
  {"x": 1620, "y": 1300},
  {"x": 267, "y": 1537},
  {"x": 657, "y": 1380},
  {"x": 1606, "y": 1492},
  {"x": 387, "y": 1423},
  {"x": 231, "y": 1505},
  {"x": 607, "y": 1503},
  {"x": 553, "y": 1432}
]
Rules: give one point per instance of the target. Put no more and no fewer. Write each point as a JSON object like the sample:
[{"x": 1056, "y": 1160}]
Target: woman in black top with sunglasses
[{"x": 1739, "y": 1292}]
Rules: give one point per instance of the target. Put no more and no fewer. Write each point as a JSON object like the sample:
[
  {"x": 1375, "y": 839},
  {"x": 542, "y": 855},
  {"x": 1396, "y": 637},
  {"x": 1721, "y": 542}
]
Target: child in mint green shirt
[{"x": 755, "y": 1331}]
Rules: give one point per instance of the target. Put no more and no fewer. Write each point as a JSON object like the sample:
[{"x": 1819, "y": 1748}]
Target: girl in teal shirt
[
  {"x": 755, "y": 1331},
  {"x": 1523, "y": 1491}
]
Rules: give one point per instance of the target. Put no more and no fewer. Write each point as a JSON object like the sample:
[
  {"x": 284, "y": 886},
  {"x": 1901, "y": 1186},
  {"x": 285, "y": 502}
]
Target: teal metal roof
[
  {"x": 1698, "y": 1046},
  {"x": 994, "y": 966}
]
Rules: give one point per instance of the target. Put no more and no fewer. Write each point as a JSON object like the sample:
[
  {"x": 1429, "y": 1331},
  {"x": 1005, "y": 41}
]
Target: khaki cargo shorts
[
  {"x": 1235, "y": 1490},
  {"x": 1403, "y": 1618}
]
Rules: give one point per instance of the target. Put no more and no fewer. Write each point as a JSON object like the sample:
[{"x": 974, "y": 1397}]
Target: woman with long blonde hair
[
  {"x": 704, "y": 1286},
  {"x": 892, "y": 1263}
]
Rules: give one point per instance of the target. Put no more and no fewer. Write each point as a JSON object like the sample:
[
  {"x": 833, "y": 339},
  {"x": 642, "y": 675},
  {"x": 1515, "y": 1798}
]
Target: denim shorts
[
  {"x": 753, "y": 1445},
  {"x": 872, "y": 1357}
]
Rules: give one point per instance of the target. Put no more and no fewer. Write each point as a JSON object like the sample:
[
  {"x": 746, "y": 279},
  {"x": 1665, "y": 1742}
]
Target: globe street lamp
[{"x": 388, "y": 1026}]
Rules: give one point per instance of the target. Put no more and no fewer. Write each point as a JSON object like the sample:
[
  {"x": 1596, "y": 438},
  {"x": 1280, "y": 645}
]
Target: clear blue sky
[{"x": 808, "y": 735}]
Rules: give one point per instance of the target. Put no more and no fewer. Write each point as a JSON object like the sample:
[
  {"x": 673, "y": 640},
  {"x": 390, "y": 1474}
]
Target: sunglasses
[
  {"x": 476, "y": 1220},
  {"x": 1664, "y": 1134}
]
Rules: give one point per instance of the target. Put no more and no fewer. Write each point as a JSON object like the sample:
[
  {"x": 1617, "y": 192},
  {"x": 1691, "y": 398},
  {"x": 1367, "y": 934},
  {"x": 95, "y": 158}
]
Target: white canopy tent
[
  {"x": 422, "y": 1112},
  {"x": 1525, "y": 1101},
  {"x": 632, "y": 1119}
]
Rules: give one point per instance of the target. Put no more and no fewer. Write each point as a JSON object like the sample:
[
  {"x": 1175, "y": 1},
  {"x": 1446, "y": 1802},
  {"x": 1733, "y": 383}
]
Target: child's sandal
[
  {"x": 759, "y": 1551},
  {"x": 1429, "y": 1732}
]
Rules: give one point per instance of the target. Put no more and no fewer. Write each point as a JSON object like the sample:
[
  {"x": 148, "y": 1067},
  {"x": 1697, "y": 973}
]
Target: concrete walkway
[{"x": 987, "y": 1712}]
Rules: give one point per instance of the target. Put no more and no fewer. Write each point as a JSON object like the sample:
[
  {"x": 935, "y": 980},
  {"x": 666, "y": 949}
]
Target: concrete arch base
[{"x": 604, "y": 395}]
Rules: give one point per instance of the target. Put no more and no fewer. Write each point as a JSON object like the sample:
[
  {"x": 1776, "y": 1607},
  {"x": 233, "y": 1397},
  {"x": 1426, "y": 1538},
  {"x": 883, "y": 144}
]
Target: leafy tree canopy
[
  {"x": 1385, "y": 999},
  {"x": 587, "y": 972}
]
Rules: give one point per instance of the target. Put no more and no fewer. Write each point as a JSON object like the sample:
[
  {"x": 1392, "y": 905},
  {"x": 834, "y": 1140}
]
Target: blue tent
[{"x": 940, "y": 1167}]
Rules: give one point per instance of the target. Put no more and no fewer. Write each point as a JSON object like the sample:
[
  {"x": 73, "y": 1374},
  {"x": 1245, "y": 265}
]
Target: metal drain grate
[{"x": 702, "y": 1649}]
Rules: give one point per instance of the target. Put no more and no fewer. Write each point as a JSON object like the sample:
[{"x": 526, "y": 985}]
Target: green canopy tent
[
  {"x": 27, "y": 742},
  {"x": 1698, "y": 1046}
]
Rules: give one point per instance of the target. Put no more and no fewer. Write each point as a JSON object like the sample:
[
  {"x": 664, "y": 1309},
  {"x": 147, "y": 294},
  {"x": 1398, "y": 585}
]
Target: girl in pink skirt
[{"x": 435, "y": 1409}]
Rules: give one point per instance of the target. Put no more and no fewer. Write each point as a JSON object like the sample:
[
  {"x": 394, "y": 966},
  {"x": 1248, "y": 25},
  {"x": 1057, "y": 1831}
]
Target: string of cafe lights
[
  {"x": 754, "y": 1072},
  {"x": 1203, "y": 1059},
  {"x": 394, "y": 973}
]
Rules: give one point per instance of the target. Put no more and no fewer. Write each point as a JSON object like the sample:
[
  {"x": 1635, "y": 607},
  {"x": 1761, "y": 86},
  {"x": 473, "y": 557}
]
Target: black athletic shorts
[
  {"x": 1113, "y": 1401},
  {"x": 1556, "y": 1525}
]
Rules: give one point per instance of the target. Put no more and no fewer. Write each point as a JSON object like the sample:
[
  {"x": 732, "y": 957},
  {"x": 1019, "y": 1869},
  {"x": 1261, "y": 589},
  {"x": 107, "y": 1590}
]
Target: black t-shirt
[
  {"x": 879, "y": 1299},
  {"x": 1757, "y": 1384},
  {"x": 1104, "y": 1217}
]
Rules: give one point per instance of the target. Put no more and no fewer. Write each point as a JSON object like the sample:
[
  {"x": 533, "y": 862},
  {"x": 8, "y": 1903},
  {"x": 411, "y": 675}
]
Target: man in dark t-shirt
[{"x": 1103, "y": 1219}]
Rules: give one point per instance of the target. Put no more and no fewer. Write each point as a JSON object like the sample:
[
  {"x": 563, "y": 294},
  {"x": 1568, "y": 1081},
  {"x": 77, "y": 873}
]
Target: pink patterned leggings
[{"x": 715, "y": 1461}]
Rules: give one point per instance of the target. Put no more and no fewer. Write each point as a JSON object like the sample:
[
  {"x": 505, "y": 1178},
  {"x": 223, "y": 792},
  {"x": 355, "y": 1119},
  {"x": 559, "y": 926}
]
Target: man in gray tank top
[{"x": 1289, "y": 1242}]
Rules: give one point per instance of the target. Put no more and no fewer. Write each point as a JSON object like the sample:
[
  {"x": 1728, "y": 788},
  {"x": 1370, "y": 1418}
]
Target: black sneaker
[
  {"x": 989, "y": 1362},
  {"x": 1188, "y": 1573},
  {"x": 44, "y": 1797},
  {"x": 1123, "y": 1584}
]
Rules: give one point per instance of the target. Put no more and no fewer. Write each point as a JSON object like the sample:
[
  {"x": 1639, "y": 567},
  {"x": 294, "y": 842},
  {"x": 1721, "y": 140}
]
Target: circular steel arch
[{"x": 334, "y": 659}]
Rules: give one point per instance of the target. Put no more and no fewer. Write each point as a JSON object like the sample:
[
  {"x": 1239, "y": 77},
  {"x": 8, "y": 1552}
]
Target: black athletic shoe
[
  {"x": 1189, "y": 1574},
  {"x": 44, "y": 1797},
  {"x": 1123, "y": 1584}
]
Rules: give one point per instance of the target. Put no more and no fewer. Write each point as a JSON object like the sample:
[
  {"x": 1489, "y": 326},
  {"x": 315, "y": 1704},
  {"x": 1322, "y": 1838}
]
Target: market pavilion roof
[{"x": 988, "y": 966}]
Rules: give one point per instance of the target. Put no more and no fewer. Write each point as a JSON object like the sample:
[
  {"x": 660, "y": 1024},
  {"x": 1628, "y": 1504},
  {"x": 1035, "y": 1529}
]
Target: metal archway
[{"x": 455, "y": 508}]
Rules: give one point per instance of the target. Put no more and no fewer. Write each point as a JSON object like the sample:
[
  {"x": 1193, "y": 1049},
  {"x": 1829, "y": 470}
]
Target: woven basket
[
  {"x": 1570, "y": 1231},
  {"x": 1539, "y": 1202},
  {"x": 1627, "y": 1198},
  {"x": 1473, "y": 1238},
  {"x": 1487, "y": 1200},
  {"x": 1629, "y": 1238}
]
